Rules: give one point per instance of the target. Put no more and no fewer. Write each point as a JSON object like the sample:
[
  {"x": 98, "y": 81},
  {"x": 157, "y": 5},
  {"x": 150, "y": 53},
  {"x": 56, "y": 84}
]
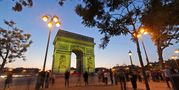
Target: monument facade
[{"x": 67, "y": 42}]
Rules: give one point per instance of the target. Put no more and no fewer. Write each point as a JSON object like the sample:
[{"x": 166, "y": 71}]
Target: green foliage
[
  {"x": 161, "y": 19},
  {"x": 111, "y": 17},
  {"x": 19, "y": 4},
  {"x": 13, "y": 43}
]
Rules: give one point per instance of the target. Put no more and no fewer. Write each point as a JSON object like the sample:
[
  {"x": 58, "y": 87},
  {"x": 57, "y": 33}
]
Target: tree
[
  {"x": 113, "y": 18},
  {"x": 161, "y": 20},
  {"x": 13, "y": 44},
  {"x": 20, "y": 4}
]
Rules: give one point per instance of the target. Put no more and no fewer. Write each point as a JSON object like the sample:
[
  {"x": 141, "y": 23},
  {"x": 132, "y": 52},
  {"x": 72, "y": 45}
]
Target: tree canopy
[
  {"x": 19, "y": 4},
  {"x": 161, "y": 18},
  {"x": 13, "y": 44},
  {"x": 111, "y": 17}
]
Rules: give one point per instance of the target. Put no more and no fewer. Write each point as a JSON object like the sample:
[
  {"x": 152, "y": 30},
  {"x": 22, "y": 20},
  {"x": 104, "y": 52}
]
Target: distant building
[{"x": 21, "y": 70}]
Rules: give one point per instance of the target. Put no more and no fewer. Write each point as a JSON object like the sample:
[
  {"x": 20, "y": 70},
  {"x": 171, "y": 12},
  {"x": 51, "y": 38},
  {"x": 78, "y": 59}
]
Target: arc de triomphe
[{"x": 67, "y": 42}]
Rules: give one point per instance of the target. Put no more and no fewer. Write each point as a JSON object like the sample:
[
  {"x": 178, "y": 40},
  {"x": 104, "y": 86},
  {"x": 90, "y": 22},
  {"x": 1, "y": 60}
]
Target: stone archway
[{"x": 67, "y": 42}]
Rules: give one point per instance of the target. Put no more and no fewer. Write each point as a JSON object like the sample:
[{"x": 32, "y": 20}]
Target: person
[
  {"x": 139, "y": 76},
  {"x": 122, "y": 79},
  {"x": 167, "y": 75},
  {"x": 111, "y": 76},
  {"x": 8, "y": 81},
  {"x": 29, "y": 81},
  {"x": 53, "y": 79},
  {"x": 79, "y": 79},
  {"x": 40, "y": 80},
  {"x": 85, "y": 76},
  {"x": 67, "y": 76},
  {"x": 134, "y": 80},
  {"x": 106, "y": 78},
  {"x": 99, "y": 73},
  {"x": 115, "y": 78},
  {"x": 47, "y": 79}
]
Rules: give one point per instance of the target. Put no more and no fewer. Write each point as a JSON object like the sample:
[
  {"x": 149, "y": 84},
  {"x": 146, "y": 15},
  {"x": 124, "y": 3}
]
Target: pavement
[{"x": 93, "y": 85}]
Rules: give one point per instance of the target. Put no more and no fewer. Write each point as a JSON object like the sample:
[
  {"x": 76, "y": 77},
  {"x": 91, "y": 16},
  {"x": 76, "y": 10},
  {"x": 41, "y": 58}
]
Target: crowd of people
[
  {"x": 118, "y": 76},
  {"x": 44, "y": 79},
  {"x": 133, "y": 75},
  {"x": 121, "y": 76}
]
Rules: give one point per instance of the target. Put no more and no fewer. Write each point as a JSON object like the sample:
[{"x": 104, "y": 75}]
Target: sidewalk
[{"x": 93, "y": 85}]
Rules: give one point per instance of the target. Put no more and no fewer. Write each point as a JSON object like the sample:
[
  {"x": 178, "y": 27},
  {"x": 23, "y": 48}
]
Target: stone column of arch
[{"x": 67, "y": 42}]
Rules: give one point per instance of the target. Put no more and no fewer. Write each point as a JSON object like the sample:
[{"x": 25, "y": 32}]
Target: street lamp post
[
  {"x": 130, "y": 56},
  {"x": 51, "y": 21},
  {"x": 135, "y": 35},
  {"x": 144, "y": 32}
]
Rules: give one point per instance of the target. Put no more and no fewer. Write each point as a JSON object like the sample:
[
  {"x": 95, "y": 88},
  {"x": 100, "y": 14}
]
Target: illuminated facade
[{"x": 67, "y": 42}]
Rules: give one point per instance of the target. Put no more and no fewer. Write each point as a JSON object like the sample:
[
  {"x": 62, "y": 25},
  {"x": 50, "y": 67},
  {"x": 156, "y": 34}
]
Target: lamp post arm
[{"x": 147, "y": 59}]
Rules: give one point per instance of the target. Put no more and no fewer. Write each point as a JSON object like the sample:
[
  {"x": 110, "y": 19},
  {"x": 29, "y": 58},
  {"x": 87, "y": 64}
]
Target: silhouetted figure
[
  {"x": 106, "y": 78},
  {"x": 100, "y": 76},
  {"x": 67, "y": 76},
  {"x": 47, "y": 77},
  {"x": 139, "y": 77},
  {"x": 115, "y": 78},
  {"x": 122, "y": 79},
  {"x": 40, "y": 80},
  {"x": 8, "y": 81},
  {"x": 79, "y": 80},
  {"x": 134, "y": 80},
  {"x": 29, "y": 81},
  {"x": 85, "y": 76},
  {"x": 111, "y": 76},
  {"x": 53, "y": 79},
  {"x": 167, "y": 75}
]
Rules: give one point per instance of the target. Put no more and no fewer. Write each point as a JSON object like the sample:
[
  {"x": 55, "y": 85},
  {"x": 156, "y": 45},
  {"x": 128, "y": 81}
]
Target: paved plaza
[{"x": 93, "y": 85}]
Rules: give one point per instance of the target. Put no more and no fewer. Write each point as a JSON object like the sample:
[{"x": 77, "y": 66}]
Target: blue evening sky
[{"x": 30, "y": 21}]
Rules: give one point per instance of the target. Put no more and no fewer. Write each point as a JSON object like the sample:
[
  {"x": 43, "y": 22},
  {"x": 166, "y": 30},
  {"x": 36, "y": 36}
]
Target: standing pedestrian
[
  {"x": 53, "y": 79},
  {"x": 79, "y": 79},
  {"x": 47, "y": 78},
  {"x": 106, "y": 77},
  {"x": 111, "y": 75},
  {"x": 8, "y": 80},
  {"x": 134, "y": 80},
  {"x": 167, "y": 75},
  {"x": 116, "y": 77},
  {"x": 122, "y": 79},
  {"x": 29, "y": 81},
  {"x": 99, "y": 73},
  {"x": 85, "y": 76},
  {"x": 40, "y": 80},
  {"x": 67, "y": 76}
]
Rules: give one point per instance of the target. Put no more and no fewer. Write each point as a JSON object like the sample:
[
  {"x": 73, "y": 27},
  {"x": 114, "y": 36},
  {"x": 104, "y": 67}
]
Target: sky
[{"x": 30, "y": 21}]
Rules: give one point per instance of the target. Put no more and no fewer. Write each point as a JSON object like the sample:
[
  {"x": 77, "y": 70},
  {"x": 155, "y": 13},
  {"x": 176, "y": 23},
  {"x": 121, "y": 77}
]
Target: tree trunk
[
  {"x": 2, "y": 66},
  {"x": 160, "y": 55}
]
